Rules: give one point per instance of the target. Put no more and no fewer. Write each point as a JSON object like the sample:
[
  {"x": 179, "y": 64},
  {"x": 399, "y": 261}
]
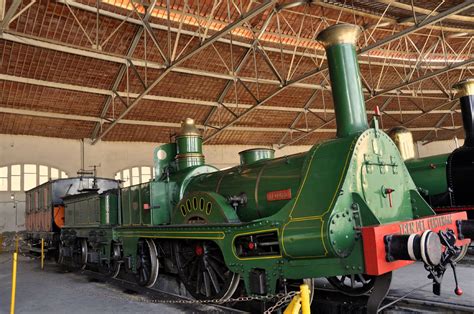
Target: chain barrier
[{"x": 281, "y": 297}]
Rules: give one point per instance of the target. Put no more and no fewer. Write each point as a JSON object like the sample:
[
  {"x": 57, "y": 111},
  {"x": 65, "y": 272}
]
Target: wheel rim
[
  {"x": 203, "y": 271},
  {"x": 310, "y": 283},
  {"x": 147, "y": 263},
  {"x": 115, "y": 269},
  {"x": 83, "y": 253},
  {"x": 60, "y": 259},
  {"x": 462, "y": 253},
  {"x": 115, "y": 260},
  {"x": 353, "y": 285}
]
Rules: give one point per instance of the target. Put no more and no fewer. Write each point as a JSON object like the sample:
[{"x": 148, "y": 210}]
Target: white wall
[
  {"x": 437, "y": 148},
  {"x": 111, "y": 156}
]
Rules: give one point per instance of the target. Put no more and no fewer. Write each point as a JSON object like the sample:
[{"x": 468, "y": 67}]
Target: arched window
[
  {"x": 135, "y": 175},
  {"x": 24, "y": 177}
]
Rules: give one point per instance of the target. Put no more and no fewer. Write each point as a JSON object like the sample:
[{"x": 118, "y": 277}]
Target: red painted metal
[
  {"x": 279, "y": 195},
  {"x": 374, "y": 246},
  {"x": 453, "y": 209}
]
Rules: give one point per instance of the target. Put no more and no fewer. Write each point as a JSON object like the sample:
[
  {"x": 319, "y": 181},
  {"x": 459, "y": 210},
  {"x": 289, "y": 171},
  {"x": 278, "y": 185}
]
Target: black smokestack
[{"x": 466, "y": 97}]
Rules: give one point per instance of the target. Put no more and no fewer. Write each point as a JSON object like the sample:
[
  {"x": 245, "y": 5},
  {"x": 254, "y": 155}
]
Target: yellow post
[
  {"x": 304, "y": 293},
  {"x": 294, "y": 306},
  {"x": 42, "y": 253},
  {"x": 16, "y": 243},
  {"x": 15, "y": 261}
]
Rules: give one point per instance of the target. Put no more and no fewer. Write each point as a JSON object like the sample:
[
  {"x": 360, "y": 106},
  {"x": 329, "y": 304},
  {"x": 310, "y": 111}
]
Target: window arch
[
  {"x": 23, "y": 177},
  {"x": 135, "y": 175}
]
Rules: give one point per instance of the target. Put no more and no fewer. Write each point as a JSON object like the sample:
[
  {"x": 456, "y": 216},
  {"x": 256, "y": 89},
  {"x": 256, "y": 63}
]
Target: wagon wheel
[
  {"x": 147, "y": 263},
  {"x": 115, "y": 260},
  {"x": 83, "y": 256},
  {"x": 112, "y": 267},
  {"x": 353, "y": 285},
  {"x": 60, "y": 259},
  {"x": 203, "y": 271}
]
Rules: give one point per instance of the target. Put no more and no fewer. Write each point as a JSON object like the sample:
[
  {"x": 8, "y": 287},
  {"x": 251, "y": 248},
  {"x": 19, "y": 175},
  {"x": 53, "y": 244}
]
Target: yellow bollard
[
  {"x": 300, "y": 301},
  {"x": 16, "y": 243},
  {"x": 294, "y": 306},
  {"x": 42, "y": 254},
  {"x": 15, "y": 261},
  {"x": 304, "y": 293}
]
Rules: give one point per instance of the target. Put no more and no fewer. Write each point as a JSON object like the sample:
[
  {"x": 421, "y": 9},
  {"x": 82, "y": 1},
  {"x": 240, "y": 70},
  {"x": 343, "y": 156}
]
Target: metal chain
[{"x": 282, "y": 300}]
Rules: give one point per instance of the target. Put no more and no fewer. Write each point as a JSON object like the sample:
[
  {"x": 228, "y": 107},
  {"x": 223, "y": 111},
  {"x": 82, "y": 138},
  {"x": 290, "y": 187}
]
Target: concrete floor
[
  {"x": 408, "y": 278},
  {"x": 53, "y": 291}
]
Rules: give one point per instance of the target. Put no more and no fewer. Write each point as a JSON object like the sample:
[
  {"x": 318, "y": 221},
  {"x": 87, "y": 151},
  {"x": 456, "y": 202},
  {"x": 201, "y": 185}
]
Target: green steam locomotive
[
  {"x": 445, "y": 180},
  {"x": 347, "y": 208}
]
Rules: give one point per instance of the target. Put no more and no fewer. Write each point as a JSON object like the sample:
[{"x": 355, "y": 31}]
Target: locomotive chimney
[
  {"x": 465, "y": 92},
  {"x": 340, "y": 43},
  {"x": 189, "y": 145}
]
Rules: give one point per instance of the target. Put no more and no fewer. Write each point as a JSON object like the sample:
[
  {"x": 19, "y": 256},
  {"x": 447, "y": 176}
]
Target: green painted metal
[
  {"x": 204, "y": 207},
  {"x": 91, "y": 209},
  {"x": 163, "y": 157},
  {"x": 255, "y": 180},
  {"x": 429, "y": 173},
  {"x": 136, "y": 207},
  {"x": 160, "y": 199},
  {"x": 82, "y": 210},
  {"x": 189, "y": 151},
  {"x": 250, "y": 156},
  {"x": 347, "y": 94},
  {"x": 109, "y": 208}
]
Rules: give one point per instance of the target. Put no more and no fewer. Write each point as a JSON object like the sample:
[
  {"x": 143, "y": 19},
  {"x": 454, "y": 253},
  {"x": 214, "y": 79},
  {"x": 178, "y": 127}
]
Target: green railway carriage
[{"x": 341, "y": 210}]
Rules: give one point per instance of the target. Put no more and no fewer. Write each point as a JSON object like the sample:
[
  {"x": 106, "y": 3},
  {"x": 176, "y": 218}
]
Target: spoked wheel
[
  {"x": 147, "y": 263},
  {"x": 203, "y": 271},
  {"x": 353, "y": 285}
]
